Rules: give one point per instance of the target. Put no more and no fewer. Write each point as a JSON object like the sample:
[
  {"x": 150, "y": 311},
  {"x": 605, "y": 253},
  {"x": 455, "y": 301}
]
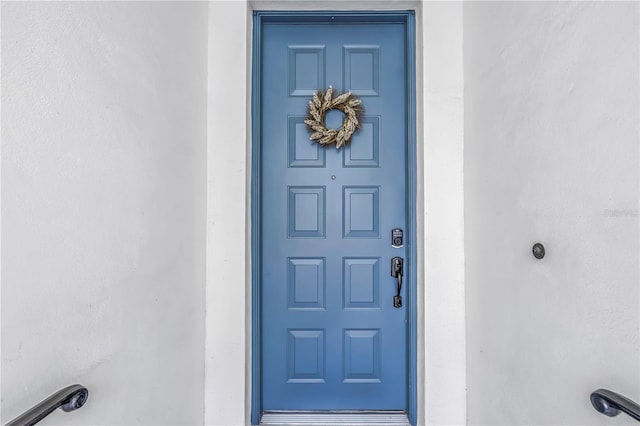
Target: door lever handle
[{"x": 396, "y": 272}]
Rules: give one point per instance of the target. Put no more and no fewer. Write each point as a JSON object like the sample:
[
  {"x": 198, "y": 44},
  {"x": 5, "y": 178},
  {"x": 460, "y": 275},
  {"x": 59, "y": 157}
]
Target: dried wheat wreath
[{"x": 323, "y": 102}]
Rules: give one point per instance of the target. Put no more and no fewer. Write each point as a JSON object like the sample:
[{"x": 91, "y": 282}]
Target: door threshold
[{"x": 344, "y": 418}]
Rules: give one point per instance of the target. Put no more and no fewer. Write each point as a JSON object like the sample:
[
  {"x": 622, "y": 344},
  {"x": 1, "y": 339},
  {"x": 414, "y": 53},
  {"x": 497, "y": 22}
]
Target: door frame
[{"x": 407, "y": 18}]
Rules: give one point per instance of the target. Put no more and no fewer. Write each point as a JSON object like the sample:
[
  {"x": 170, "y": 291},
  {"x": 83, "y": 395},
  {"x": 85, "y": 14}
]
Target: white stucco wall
[
  {"x": 551, "y": 155},
  {"x": 112, "y": 112},
  {"x": 443, "y": 371},
  {"x": 103, "y": 208},
  {"x": 228, "y": 296}
]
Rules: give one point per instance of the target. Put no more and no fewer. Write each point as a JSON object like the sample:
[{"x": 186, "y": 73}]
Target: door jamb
[{"x": 408, "y": 19}]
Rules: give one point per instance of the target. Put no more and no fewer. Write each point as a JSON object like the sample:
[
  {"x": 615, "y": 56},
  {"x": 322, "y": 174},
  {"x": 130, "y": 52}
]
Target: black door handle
[{"x": 396, "y": 272}]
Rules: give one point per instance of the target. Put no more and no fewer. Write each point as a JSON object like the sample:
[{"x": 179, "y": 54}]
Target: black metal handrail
[
  {"x": 69, "y": 399},
  {"x": 611, "y": 404}
]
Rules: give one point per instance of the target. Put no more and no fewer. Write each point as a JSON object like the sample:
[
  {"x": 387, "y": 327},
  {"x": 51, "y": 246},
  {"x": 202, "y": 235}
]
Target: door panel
[{"x": 331, "y": 336}]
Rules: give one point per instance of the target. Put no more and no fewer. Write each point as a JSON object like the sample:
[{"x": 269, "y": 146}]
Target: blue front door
[{"x": 331, "y": 337}]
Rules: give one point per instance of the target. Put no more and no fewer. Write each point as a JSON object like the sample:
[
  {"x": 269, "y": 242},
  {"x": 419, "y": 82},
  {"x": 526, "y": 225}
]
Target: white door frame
[{"x": 440, "y": 215}]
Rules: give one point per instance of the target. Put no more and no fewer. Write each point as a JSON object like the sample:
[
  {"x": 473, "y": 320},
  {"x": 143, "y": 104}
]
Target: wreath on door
[{"x": 322, "y": 102}]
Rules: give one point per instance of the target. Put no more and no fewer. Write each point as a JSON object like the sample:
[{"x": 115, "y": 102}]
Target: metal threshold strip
[{"x": 344, "y": 418}]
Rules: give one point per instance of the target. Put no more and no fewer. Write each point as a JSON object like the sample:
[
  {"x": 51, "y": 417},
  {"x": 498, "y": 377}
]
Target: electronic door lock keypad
[{"x": 396, "y": 238}]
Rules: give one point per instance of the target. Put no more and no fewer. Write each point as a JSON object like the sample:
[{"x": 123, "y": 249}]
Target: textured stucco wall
[
  {"x": 442, "y": 372},
  {"x": 551, "y": 155},
  {"x": 103, "y": 208},
  {"x": 104, "y": 120},
  {"x": 228, "y": 354}
]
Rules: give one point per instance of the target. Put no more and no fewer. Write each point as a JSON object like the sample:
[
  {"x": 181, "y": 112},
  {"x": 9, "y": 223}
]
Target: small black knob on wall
[{"x": 538, "y": 251}]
